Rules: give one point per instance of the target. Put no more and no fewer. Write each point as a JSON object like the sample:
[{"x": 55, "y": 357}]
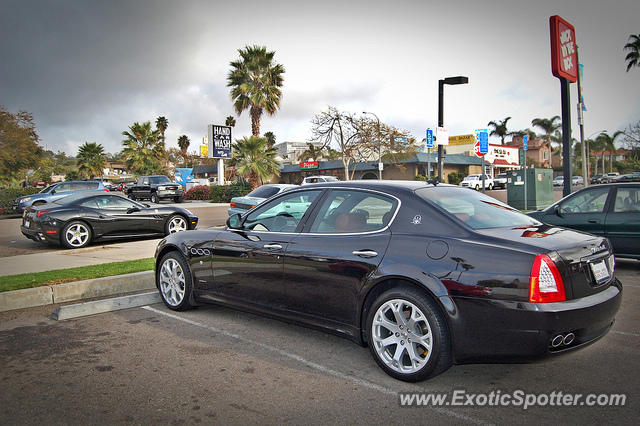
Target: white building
[{"x": 290, "y": 151}]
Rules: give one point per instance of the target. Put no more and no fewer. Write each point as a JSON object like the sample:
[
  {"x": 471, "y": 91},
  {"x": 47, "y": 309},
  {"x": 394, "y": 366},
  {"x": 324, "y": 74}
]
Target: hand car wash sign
[{"x": 219, "y": 141}]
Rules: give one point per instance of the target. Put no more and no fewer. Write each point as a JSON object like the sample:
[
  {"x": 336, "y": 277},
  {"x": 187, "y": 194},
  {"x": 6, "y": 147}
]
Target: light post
[
  {"x": 379, "y": 144},
  {"x": 451, "y": 81},
  {"x": 585, "y": 144}
]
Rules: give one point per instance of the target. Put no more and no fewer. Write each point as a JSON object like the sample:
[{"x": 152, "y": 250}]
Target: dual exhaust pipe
[{"x": 563, "y": 339}]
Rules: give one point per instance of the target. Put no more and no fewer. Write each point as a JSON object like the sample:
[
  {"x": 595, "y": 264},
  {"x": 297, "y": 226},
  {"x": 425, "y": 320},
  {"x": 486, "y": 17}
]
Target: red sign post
[{"x": 564, "y": 65}]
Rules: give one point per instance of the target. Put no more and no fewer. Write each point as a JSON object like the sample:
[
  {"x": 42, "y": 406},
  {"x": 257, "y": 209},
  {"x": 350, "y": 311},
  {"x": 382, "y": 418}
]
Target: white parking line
[
  {"x": 626, "y": 333},
  {"x": 315, "y": 366}
]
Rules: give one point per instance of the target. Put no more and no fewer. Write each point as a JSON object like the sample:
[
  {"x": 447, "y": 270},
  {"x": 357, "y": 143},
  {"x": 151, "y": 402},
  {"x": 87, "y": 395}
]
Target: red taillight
[
  {"x": 253, "y": 205},
  {"x": 546, "y": 283},
  {"x": 105, "y": 189},
  {"x": 232, "y": 204},
  {"x": 52, "y": 231},
  {"x": 41, "y": 212}
]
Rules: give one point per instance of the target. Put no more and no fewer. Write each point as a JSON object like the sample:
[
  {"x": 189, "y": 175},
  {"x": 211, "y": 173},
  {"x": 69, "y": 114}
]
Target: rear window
[
  {"x": 475, "y": 209},
  {"x": 264, "y": 192}
]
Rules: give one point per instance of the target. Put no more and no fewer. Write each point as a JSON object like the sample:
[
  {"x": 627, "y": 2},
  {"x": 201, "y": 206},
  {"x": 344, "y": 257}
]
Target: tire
[
  {"x": 175, "y": 223},
  {"x": 76, "y": 234},
  {"x": 154, "y": 198},
  {"x": 131, "y": 196},
  {"x": 178, "y": 199},
  {"x": 430, "y": 328},
  {"x": 477, "y": 187},
  {"x": 490, "y": 186},
  {"x": 173, "y": 279}
]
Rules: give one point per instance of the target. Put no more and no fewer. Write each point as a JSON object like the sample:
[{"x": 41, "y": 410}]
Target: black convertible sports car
[
  {"x": 425, "y": 275},
  {"x": 76, "y": 220}
]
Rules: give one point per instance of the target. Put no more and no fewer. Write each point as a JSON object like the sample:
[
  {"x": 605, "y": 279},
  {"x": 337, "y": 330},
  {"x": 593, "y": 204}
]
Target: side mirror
[
  {"x": 234, "y": 221},
  {"x": 53, "y": 191},
  {"x": 147, "y": 205},
  {"x": 556, "y": 210}
]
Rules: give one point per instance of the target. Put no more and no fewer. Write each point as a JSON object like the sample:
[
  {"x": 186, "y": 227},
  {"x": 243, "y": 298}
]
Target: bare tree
[{"x": 334, "y": 125}]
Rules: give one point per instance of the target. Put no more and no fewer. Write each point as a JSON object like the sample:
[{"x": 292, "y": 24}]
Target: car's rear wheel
[
  {"x": 477, "y": 187},
  {"x": 154, "y": 198},
  {"x": 178, "y": 199},
  {"x": 407, "y": 335},
  {"x": 131, "y": 196},
  {"x": 175, "y": 223},
  {"x": 76, "y": 235},
  {"x": 173, "y": 279}
]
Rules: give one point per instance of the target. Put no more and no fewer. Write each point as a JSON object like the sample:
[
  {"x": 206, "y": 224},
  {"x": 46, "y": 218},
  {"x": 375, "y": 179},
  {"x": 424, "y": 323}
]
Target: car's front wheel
[
  {"x": 175, "y": 223},
  {"x": 490, "y": 186},
  {"x": 407, "y": 335},
  {"x": 154, "y": 198},
  {"x": 76, "y": 234},
  {"x": 173, "y": 279},
  {"x": 178, "y": 199}
]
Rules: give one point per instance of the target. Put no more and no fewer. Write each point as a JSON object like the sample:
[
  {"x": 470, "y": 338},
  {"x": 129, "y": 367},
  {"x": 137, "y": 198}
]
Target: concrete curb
[
  {"x": 79, "y": 290},
  {"x": 106, "y": 305}
]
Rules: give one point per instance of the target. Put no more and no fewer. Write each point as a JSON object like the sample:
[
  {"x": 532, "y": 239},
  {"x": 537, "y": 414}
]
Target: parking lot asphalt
[{"x": 215, "y": 365}]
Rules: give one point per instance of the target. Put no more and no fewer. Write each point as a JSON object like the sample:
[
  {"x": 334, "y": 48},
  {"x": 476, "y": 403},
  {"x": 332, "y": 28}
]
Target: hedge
[
  {"x": 7, "y": 196},
  {"x": 224, "y": 194},
  {"x": 200, "y": 192}
]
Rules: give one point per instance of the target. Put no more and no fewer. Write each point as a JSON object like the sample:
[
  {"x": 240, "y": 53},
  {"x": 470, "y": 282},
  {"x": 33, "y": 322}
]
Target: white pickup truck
[{"x": 475, "y": 182}]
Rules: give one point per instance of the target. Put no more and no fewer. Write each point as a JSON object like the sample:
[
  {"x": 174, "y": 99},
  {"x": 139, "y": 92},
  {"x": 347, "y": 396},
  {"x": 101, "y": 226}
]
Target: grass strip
[{"x": 59, "y": 276}]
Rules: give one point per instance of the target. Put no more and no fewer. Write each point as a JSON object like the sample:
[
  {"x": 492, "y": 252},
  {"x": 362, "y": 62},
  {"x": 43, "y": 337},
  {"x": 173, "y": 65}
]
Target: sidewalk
[{"x": 63, "y": 259}]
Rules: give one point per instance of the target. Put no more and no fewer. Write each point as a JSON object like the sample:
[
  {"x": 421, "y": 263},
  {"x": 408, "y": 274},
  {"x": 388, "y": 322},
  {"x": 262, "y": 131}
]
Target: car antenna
[{"x": 434, "y": 181}]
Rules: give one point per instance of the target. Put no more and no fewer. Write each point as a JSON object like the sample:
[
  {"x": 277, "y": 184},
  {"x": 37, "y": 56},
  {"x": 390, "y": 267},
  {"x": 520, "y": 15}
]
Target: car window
[
  {"x": 475, "y": 209},
  {"x": 156, "y": 180},
  {"x": 349, "y": 211},
  {"x": 627, "y": 200},
  {"x": 91, "y": 203},
  {"x": 64, "y": 187},
  {"x": 113, "y": 202},
  {"x": 264, "y": 192},
  {"x": 47, "y": 189},
  {"x": 282, "y": 214},
  {"x": 589, "y": 201}
]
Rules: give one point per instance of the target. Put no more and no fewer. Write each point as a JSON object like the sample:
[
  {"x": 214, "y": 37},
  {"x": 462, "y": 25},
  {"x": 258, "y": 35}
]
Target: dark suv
[
  {"x": 56, "y": 191},
  {"x": 155, "y": 188}
]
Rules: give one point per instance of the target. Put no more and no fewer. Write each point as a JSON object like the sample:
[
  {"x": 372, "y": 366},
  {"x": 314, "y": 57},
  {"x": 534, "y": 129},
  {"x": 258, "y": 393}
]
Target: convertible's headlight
[{"x": 24, "y": 200}]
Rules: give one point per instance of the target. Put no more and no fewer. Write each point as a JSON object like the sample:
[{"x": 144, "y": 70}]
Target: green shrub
[
  {"x": 224, "y": 194},
  {"x": 455, "y": 178},
  {"x": 200, "y": 192},
  {"x": 7, "y": 196}
]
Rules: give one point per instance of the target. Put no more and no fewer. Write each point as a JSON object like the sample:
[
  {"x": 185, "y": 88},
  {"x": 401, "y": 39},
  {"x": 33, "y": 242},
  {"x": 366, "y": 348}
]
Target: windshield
[
  {"x": 472, "y": 177},
  {"x": 475, "y": 209},
  {"x": 47, "y": 189},
  {"x": 330, "y": 179},
  {"x": 155, "y": 180},
  {"x": 264, "y": 192}
]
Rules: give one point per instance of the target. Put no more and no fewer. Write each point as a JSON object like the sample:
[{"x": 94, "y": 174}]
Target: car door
[
  {"x": 142, "y": 189},
  {"x": 584, "y": 211},
  {"x": 622, "y": 224},
  {"x": 119, "y": 216},
  {"x": 247, "y": 262},
  {"x": 327, "y": 264}
]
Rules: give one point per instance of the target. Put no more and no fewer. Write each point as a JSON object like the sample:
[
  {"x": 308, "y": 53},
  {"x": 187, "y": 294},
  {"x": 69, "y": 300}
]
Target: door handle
[
  {"x": 272, "y": 246},
  {"x": 365, "y": 253},
  {"x": 593, "y": 221}
]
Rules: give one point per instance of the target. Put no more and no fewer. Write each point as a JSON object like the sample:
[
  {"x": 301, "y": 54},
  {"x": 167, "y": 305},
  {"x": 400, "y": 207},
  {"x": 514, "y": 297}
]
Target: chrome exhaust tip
[
  {"x": 568, "y": 339},
  {"x": 557, "y": 341}
]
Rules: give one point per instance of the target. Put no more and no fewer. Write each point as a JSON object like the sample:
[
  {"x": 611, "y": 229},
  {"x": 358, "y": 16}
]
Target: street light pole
[
  {"x": 441, "y": 83},
  {"x": 379, "y": 144}
]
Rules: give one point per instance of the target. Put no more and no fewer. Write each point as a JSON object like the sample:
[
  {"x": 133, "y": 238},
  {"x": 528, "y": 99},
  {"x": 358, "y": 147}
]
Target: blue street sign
[
  {"x": 484, "y": 142},
  {"x": 525, "y": 142},
  {"x": 429, "y": 138}
]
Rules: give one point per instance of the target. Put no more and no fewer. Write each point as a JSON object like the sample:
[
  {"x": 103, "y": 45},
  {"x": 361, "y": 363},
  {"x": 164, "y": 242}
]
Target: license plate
[
  {"x": 600, "y": 271},
  {"x": 26, "y": 223}
]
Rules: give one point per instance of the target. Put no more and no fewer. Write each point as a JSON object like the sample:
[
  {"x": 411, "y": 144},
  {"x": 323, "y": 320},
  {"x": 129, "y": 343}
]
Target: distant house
[
  {"x": 290, "y": 151},
  {"x": 204, "y": 171},
  {"x": 538, "y": 152}
]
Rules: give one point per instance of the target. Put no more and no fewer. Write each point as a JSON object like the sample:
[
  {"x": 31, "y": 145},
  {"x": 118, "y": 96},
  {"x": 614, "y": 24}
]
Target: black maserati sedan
[
  {"x": 424, "y": 275},
  {"x": 77, "y": 220}
]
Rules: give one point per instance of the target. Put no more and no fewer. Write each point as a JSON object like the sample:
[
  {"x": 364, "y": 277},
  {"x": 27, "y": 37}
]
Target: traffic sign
[
  {"x": 462, "y": 139},
  {"x": 476, "y": 149},
  {"x": 429, "y": 138},
  {"x": 525, "y": 142},
  {"x": 484, "y": 142}
]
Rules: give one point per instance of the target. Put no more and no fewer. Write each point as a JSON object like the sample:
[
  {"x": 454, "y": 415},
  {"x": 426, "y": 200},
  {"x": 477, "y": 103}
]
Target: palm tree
[
  {"x": 161, "y": 124},
  {"x": 548, "y": 125},
  {"x": 633, "y": 46},
  {"x": 255, "y": 81},
  {"x": 183, "y": 144},
  {"x": 499, "y": 129},
  {"x": 607, "y": 143},
  {"x": 271, "y": 138},
  {"x": 254, "y": 160},
  {"x": 143, "y": 150},
  {"x": 230, "y": 121},
  {"x": 312, "y": 152},
  {"x": 91, "y": 159}
]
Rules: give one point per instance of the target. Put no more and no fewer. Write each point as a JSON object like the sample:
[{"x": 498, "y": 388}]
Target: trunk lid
[{"x": 585, "y": 261}]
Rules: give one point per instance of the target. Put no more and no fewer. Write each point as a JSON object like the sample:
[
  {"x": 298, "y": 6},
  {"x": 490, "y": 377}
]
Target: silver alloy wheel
[
  {"x": 77, "y": 235},
  {"x": 177, "y": 224},
  {"x": 402, "y": 336},
  {"x": 172, "y": 282}
]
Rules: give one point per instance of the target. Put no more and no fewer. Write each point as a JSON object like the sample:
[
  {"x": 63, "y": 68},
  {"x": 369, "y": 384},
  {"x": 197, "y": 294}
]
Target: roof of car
[{"x": 389, "y": 185}]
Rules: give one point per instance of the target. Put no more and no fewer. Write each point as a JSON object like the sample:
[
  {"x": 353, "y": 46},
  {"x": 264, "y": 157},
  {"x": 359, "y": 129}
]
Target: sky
[{"x": 88, "y": 69}]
